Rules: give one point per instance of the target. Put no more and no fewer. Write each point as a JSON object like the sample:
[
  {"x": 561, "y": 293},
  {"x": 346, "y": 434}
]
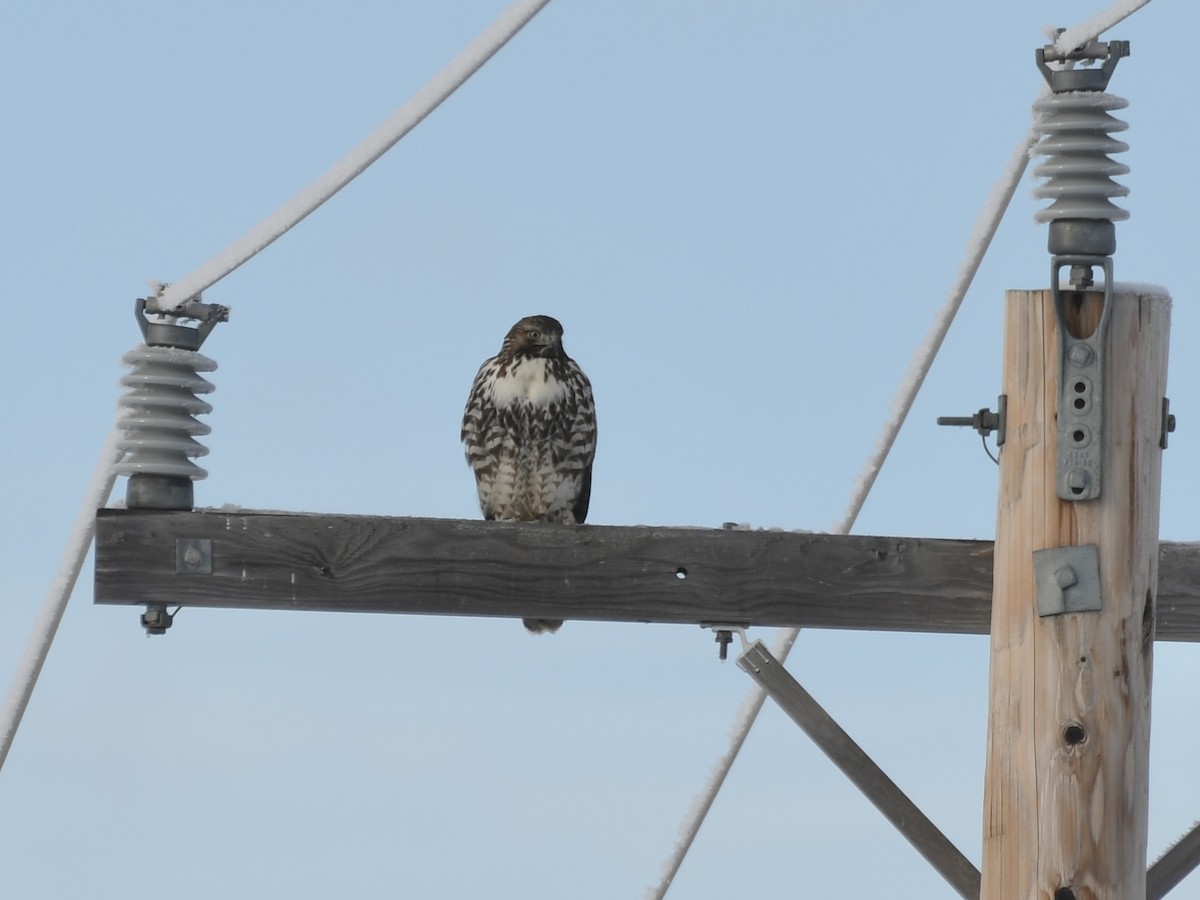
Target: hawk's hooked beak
[{"x": 550, "y": 341}]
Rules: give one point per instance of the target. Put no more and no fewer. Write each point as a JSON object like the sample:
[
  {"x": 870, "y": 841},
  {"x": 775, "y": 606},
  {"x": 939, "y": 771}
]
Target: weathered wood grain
[
  {"x": 467, "y": 567},
  {"x": 1068, "y": 759},
  {"x": 1177, "y": 603},
  {"x": 455, "y": 567}
]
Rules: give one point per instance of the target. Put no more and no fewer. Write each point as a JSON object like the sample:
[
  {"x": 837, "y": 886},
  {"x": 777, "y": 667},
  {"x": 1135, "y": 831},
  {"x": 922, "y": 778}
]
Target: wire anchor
[
  {"x": 1076, "y": 126},
  {"x": 159, "y": 407}
]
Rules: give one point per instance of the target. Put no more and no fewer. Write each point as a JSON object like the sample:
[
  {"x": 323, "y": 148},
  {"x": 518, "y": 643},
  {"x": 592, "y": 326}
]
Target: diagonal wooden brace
[
  {"x": 1176, "y": 864},
  {"x": 897, "y": 808}
]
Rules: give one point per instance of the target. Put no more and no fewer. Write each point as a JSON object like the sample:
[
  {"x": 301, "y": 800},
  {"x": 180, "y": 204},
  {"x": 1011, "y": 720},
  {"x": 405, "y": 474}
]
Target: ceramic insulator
[
  {"x": 159, "y": 409},
  {"x": 1076, "y": 127}
]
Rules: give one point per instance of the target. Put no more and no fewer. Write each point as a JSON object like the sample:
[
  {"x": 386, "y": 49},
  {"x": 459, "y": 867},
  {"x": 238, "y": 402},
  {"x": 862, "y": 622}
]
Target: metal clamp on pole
[{"x": 1075, "y": 125}]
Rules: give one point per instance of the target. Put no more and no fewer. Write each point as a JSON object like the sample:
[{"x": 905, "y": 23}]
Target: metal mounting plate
[
  {"x": 1068, "y": 579},
  {"x": 1081, "y": 392}
]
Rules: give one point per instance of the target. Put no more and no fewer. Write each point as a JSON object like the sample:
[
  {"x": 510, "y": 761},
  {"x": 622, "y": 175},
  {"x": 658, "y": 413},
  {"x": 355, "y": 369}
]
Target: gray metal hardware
[
  {"x": 1076, "y": 128},
  {"x": 1168, "y": 423},
  {"x": 1073, "y": 79},
  {"x": 1081, "y": 397},
  {"x": 1068, "y": 579},
  {"x": 167, "y": 334},
  {"x": 156, "y": 619},
  {"x": 723, "y": 635},
  {"x": 193, "y": 556},
  {"x": 985, "y": 421}
]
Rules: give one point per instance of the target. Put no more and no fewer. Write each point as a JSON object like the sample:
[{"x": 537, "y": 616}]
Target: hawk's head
[{"x": 534, "y": 336}]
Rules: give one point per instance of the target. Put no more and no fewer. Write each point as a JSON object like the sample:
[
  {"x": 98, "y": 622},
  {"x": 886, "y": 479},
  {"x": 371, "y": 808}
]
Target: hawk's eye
[{"x": 534, "y": 335}]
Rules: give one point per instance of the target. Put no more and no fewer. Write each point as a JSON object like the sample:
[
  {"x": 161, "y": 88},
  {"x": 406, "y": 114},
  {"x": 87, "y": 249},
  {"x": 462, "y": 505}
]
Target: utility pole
[
  {"x": 1076, "y": 572},
  {"x": 1067, "y": 776}
]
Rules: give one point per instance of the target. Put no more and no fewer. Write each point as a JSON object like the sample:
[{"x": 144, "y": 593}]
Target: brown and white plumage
[{"x": 529, "y": 430}]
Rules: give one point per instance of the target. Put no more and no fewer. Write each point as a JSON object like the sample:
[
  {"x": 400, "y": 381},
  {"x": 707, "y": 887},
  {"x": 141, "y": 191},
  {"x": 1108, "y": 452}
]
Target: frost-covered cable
[
  {"x": 400, "y": 123},
  {"x": 918, "y": 367},
  {"x": 267, "y": 231},
  {"x": 977, "y": 245},
  {"x": 46, "y": 624},
  {"x": 981, "y": 237},
  {"x": 1078, "y": 35}
]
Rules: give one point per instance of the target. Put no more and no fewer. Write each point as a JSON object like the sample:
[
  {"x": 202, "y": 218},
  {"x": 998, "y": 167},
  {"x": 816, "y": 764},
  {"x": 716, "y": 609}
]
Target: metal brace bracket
[
  {"x": 1081, "y": 389},
  {"x": 1068, "y": 579}
]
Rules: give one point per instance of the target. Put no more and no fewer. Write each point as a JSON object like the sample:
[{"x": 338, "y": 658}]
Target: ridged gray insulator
[
  {"x": 1075, "y": 127},
  {"x": 159, "y": 409}
]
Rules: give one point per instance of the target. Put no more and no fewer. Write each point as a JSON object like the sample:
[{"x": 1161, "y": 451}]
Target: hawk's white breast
[{"x": 528, "y": 380}]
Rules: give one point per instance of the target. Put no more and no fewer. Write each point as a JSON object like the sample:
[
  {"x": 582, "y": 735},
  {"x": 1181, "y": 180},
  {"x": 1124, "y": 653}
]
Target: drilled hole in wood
[
  {"x": 681, "y": 573},
  {"x": 1074, "y": 734},
  {"x": 1064, "y": 893}
]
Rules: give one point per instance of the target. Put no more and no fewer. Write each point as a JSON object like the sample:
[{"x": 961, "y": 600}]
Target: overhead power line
[{"x": 178, "y": 294}]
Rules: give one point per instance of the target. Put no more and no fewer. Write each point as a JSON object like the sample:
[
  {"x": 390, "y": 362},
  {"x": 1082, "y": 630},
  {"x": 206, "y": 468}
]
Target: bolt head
[
  {"x": 1081, "y": 355},
  {"x": 1066, "y": 577},
  {"x": 1078, "y": 480}
]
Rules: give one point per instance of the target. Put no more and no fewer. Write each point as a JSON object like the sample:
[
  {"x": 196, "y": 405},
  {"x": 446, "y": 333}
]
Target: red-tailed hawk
[{"x": 530, "y": 432}]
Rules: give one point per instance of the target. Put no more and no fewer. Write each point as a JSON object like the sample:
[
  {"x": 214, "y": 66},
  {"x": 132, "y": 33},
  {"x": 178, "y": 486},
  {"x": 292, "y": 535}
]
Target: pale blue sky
[{"x": 745, "y": 214}]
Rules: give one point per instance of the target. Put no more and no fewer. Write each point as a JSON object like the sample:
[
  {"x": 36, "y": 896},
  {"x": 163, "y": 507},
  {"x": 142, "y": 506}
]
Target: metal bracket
[
  {"x": 1082, "y": 78},
  {"x": 1081, "y": 389},
  {"x": 1168, "y": 423},
  {"x": 1068, "y": 579},
  {"x": 172, "y": 334}
]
